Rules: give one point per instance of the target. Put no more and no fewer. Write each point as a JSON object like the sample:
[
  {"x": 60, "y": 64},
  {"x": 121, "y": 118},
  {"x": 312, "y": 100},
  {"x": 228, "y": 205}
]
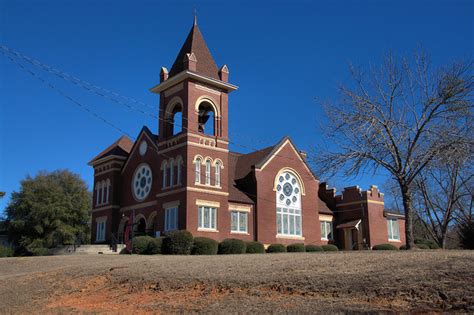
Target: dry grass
[{"x": 325, "y": 282}]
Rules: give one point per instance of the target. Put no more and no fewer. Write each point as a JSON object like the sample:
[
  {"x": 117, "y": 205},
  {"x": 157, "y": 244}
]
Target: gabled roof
[
  {"x": 323, "y": 208},
  {"x": 195, "y": 43},
  {"x": 121, "y": 147},
  {"x": 245, "y": 162}
]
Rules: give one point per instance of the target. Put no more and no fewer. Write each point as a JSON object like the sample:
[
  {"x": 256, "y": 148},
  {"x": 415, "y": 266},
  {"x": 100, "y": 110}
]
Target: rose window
[
  {"x": 141, "y": 183},
  {"x": 288, "y": 190}
]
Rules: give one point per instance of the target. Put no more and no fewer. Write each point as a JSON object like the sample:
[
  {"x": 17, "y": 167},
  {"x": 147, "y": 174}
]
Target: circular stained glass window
[
  {"x": 141, "y": 182},
  {"x": 287, "y": 189}
]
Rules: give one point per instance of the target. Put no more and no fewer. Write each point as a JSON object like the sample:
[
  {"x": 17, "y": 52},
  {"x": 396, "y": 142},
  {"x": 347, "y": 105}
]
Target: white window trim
[
  {"x": 208, "y": 172},
  {"x": 168, "y": 224},
  {"x": 239, "y": 213},
  {"x": 99, "y": 221},
  {"x": 178, "y": 175},
  {"x": 290, "y": 214},
  {"x": 325, "y": 225},
  {"x": 165, "y": 174},
  {"x": 390, "y": 230},
  {"x": 217, "y": 174},
  {"x": 171, "y": 173},
  {"x": 201, "y": 223},
  {"x": 197, "y": 172}
]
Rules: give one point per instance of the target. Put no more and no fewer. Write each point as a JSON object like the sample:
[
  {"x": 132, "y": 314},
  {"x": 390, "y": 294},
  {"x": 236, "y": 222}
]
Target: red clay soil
[{"x": 422, "y": 281}]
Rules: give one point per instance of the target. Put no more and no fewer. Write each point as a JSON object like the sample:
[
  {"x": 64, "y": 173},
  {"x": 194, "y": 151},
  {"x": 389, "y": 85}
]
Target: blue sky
[{"x": 282, "y": 55}]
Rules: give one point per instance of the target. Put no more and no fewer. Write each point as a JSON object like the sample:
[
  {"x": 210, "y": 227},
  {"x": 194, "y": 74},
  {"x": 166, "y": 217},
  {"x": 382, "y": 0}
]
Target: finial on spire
[{"x": 195, "y": 17}]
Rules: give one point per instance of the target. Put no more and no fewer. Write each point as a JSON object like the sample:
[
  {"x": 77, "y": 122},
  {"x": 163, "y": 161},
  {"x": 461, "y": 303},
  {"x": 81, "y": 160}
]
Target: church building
[{"x": 186, "y": 178}]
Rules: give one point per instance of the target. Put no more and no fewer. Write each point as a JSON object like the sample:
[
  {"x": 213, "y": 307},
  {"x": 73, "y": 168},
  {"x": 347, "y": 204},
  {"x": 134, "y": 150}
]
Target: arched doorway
[{"x": 139, "y": 226}]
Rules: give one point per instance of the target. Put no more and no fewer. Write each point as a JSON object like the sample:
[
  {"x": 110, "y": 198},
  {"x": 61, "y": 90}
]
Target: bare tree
[
  {"x": 400, "y": 116},
  {"x": 443, "y": 195}
]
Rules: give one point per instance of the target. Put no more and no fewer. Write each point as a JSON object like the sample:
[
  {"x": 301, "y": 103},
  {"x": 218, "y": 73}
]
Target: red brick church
[{"x": 185, "y": 177}]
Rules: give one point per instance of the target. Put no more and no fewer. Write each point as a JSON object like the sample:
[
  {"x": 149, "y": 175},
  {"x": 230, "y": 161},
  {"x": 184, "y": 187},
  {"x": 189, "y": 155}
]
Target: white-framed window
[
  {"x": 107, "y": 191},
  {"x": 171, "y": 173},
  {"x": 218, "y": 174},
  {"x": 171, "y": 218},
  {"x": 239, "y": 221},
  {"x": 178, "y": 170},
  {"x": 288, "y": 200},
  {"x": 197, "y": 171},
  {"x": 289, "y": 221},
  {"x": 100, "y": 232},
  {"x": 207, "y": 218},
  {"x": 98, "y": 191},
  {"x": 208, "y": 172},
  {"x": 393, "y": 230},
  {"x": 164, "y": 167},
  {"x": 326, "y": 230}
]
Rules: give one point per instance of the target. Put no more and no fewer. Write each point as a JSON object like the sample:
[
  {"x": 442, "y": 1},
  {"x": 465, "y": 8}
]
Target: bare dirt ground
[{"x": 422, "y": 281}]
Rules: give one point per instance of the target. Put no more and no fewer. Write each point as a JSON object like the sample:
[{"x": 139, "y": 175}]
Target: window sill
[
  {"x": 208, "y": 230},
  {"x": 207, "y": 185},
  {"x": 238, "y": 232},
  {"x": 395, "y": 241},
  {"x": 326, "y": 239},
  {"x": 290, "y": 237}
]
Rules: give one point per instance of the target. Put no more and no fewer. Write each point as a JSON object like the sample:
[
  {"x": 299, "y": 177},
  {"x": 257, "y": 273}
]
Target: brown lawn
[{"x": 420, "y": 281}]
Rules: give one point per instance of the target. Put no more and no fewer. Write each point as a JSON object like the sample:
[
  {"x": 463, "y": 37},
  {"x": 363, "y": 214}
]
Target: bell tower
[{"x": 194, "y": 92}]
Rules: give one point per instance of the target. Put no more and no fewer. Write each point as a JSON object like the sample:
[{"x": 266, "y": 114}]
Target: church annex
[{"x": 185, "y": 177}]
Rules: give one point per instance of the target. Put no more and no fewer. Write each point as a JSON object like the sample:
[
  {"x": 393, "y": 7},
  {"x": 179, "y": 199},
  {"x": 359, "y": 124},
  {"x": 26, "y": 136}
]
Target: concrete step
[{"x": 87, "y": 249}]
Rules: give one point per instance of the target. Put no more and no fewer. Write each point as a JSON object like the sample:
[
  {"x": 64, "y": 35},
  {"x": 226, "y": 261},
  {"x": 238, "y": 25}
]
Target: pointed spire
[
  {"x": 195, "y": 44},
  {"x": 195, "y": 17}
]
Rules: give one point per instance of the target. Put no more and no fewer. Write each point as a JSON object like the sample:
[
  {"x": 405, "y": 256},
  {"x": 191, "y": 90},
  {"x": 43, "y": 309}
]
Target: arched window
[
  {"x": 103, "y": 195},
  {"x": 197, "y": 171},
  {"x": 208, "y": 172},
  {"x": 98, "y": 192},
  {"x": 206, "y": 118},
  {"x": 288, "y": 201},
  {"x": 177, "y": 119},
  {"x": 218, "y": 174},
  {"x": 107, "y": 191},
  {"x": 179, "y": 162},
  {"x": 171, "y": 173},
  {"x": 164, "y": 168}
]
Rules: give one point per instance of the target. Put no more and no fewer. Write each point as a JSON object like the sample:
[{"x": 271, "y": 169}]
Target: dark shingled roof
[
  {"x": 323, "y": 208},
  {"x": 121, "y": 147},
  {"x": 195, "y": 43}
]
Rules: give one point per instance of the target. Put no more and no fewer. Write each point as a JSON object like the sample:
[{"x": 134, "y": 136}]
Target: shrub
[
  {"x": 124, "y": 251},
  {"x": 313, "y": 248},
  {"x": 466, "y": 234},
  {"x": 330, "y": 248},
  {"x": 403, "y": 247},
  {"x": 6, "y": 251},
  {"x": 255, "y": 248},
  {"x": 154, "y": 246},
  {"x": 204, "y": 246},
  {"x": 232, "y": 246},
  {"x": 140, "y": 244},
  {"x": 431, "y": 244},
  {"x": 295, "y": 248},
  {"x": 177, "y": 243},
  {"x": 384, "y": 247},
  {"x": 276, "y": 248},
  {"x": 422, "y": 246}
]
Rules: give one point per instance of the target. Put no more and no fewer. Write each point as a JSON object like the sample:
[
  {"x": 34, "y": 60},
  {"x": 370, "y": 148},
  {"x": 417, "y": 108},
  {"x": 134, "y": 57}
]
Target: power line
[{"x": 100, "y": 91}]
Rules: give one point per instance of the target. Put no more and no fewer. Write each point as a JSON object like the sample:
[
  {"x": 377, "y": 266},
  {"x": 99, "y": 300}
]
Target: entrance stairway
[{"x": 87, "y": 250}]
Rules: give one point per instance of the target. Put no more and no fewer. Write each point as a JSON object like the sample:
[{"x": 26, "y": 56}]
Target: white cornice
[{"x": 192, "y": 75}]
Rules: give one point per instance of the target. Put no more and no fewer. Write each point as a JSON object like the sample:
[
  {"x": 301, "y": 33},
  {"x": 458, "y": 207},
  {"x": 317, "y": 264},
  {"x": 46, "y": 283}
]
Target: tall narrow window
[
  {"x": 171, "y": 219},
  {"x": 208, "y": 172},
  {"x": 171, "y": 172},
  {"x": 288, "y": 200},
  {"x": 97, "y": 193},
  {"x": 100, "y": 231},
  {"x": 197, "y": 172},
  {"x": 218, "y": 174},
  {"x": 107, "y": 193},
  {"x": 178, "y": 167},
  {"x": 326, "y": 230},
  {"x": 164, "y": 167},
  {"x": 393, "y": 230}
]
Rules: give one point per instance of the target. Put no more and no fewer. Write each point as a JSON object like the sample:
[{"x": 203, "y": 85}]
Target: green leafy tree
[{"x": 50, "y": 209}]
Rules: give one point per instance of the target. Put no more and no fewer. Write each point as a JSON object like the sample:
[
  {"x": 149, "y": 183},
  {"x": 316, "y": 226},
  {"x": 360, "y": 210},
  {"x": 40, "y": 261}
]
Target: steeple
[{"x": 195, "y": 44}]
